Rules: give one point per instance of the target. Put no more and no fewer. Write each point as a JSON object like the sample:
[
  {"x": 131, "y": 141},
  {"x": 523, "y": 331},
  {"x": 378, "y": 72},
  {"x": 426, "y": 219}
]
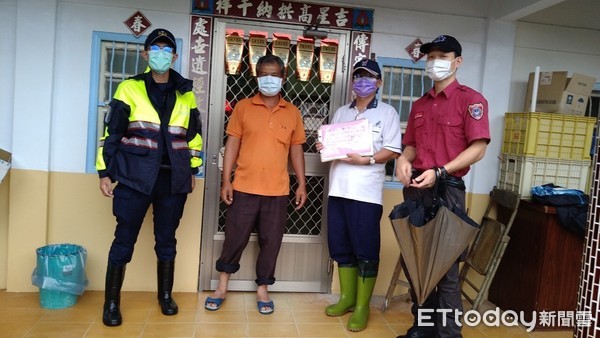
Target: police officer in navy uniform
[
  {"x": 447, "y": 132},
  {"x": 151, "y": 147}
]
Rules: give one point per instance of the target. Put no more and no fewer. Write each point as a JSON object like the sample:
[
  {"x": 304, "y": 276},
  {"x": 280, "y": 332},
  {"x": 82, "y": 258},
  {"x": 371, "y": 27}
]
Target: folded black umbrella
[{"x": 431, "y": 236}]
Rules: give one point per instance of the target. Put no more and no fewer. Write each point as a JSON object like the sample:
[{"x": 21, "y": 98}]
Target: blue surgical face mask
[
  {"x": 364, "y": 86},
  {"x": 269, "y": 85},
  {"x": 160, "y": 61}
]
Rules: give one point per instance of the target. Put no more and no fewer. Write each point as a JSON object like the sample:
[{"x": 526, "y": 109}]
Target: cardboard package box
[
  {"x": 5, "y": 158},
  {"x": 558, "y": 93}
]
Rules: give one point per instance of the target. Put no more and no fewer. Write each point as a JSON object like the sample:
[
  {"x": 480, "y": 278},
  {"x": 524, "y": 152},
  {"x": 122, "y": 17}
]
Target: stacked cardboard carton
[
  {"x": 558, "y": 93},
  {"x": 5, "y": 158}
]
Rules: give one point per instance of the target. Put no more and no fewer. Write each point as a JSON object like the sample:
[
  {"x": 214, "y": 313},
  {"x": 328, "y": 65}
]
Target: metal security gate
[{"x": 303, "y": 263}]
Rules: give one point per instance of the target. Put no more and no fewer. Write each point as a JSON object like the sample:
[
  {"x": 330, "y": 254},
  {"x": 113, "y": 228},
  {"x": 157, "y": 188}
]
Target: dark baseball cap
[
  {"x": 161, "y": 35},
  {"x": 368, "y": 65},
  {"x": 445, "y": 43}
]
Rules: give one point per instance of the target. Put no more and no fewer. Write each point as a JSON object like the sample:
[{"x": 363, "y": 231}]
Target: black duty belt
[{"x": 455, "y": 182}]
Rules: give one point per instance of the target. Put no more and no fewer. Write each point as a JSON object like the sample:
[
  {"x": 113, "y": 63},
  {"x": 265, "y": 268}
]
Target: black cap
[
  {"x": 368, "y": 65},
  {"x": 160, "y": 35},
  {"x": 445, "y": 43}
]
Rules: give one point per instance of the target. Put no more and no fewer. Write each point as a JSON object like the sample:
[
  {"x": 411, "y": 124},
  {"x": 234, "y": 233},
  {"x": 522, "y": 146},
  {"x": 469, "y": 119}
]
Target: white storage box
[{"x": 520, "y": 173}]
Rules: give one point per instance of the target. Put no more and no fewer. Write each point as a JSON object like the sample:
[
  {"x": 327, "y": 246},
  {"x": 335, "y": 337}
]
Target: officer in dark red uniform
[{"x": 447, "y": 132}]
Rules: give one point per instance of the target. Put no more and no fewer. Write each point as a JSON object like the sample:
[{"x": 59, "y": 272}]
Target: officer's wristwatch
[
  {"x": 371, "y": 160},
  {"x": 443, "y": 173}
]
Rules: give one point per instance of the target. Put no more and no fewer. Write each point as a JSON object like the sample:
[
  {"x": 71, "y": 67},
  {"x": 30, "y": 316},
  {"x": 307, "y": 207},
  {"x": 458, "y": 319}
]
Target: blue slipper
[
  {"x": 269, "y": 305},
  {"x": 216, "y": 301}
]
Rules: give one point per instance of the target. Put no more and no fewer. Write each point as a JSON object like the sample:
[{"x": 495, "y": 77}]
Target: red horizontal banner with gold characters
[{"x": 302, "y": 13}]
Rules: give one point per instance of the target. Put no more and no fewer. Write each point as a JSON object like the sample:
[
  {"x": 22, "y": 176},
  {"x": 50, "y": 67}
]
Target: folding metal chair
[
  {"x": 489, "y": 246},
  {"x": 389, "y": 296}
]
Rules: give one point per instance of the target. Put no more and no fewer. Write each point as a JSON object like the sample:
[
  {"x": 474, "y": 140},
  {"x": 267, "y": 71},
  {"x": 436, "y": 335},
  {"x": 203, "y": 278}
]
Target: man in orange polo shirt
[{"x": 263, "y": 132}]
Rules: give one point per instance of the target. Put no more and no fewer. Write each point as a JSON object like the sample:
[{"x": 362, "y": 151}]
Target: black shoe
[
  {"x": 420, "y": 332},
  {"x": 168, "y": 307},
  {"x": 111, "y": 315}
]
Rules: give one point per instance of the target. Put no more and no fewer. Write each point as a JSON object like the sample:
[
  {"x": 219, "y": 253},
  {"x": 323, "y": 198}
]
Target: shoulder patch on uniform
[{"x": 476, "y": 110}]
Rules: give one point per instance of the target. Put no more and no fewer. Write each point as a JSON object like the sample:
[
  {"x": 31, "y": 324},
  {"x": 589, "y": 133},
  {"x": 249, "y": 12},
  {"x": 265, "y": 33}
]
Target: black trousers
[{"x": 130, "y": 207}]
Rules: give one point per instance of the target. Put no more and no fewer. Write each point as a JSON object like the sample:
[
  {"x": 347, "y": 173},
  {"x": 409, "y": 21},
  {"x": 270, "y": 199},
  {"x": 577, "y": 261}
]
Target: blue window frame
[{"x": 404, "y": 82}]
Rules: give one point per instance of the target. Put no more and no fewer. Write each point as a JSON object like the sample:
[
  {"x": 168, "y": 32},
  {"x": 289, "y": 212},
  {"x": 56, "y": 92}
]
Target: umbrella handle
[{"x": 436, "y": 186}]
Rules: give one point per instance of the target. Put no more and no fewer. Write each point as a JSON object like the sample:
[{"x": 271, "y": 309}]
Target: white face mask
[
  {"x": 439, "y": 70},
  {"x": 269, "y": 85}
]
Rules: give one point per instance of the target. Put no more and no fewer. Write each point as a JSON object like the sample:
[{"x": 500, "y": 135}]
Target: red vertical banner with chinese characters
[
  {"x": 199, "y": 64},
  {"x": 360, "y": 48}
]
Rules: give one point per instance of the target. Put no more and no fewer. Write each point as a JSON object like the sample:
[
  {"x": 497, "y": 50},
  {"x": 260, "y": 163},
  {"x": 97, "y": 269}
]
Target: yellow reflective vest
[{"x": 137, "y": 136}]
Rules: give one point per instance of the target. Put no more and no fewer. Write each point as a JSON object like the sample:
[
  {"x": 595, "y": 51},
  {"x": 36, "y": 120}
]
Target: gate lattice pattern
[
  {"x": 589, "y": 281},
  {"x": 313, "y": 99}
]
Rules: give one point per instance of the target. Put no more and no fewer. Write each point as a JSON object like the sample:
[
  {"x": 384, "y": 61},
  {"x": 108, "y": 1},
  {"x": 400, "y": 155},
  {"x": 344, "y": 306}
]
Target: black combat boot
[
  {"x": 165, "y": 273},
  {"x": 112, "y": 295}
]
